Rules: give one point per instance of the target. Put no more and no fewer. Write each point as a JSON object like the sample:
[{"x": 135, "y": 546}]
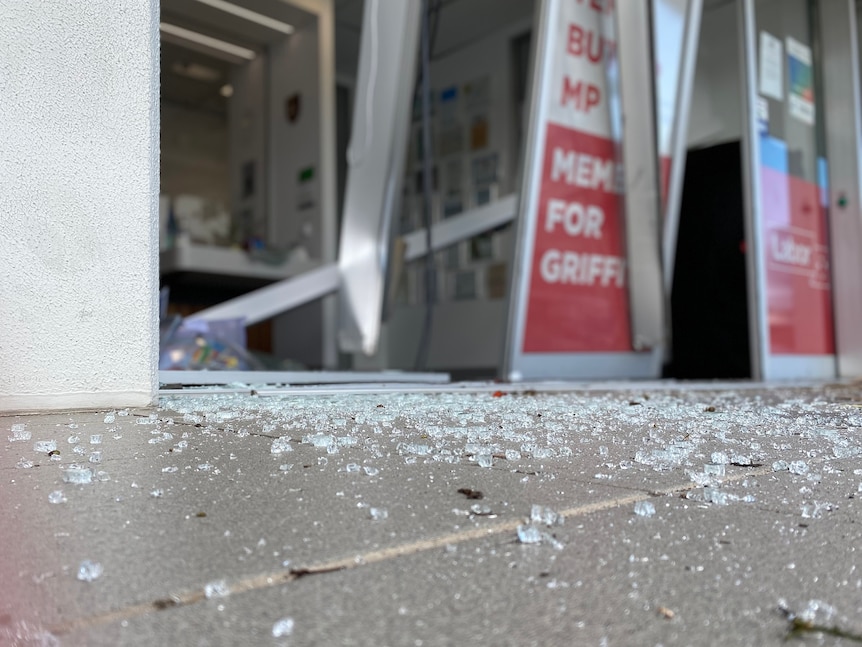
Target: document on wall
[
  {"x": 801, "y": 102},
  {"x": 771, "y": 68}
]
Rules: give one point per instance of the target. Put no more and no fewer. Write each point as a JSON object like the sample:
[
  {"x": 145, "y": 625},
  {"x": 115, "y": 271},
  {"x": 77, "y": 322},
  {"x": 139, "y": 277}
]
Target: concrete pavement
[{"x": 394, "y": 519}]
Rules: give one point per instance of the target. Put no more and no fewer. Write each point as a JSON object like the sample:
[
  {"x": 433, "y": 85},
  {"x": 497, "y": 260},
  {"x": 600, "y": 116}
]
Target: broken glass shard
[
  {"x": 95, "y": 457},
  {"x": 109, "y": 418},
  {"x": 543, "y": 452},
  {"x": 89, "y": 570},
  {"x": 513, "y": 455},
  {"x": 644, "y": 508},
  {"x": 24, "y": 464},
  {"x": 19, "y": 434},
  {"x": 217, "y": 589},
  {"x": 286, "y": 467},
  {"x": 817, "y": 612},
  {"x": 157, "y": 494},
  {"x": 479, "y": 509},
  {"x": 719, "y": 458},
  {"x": 529, "y": 534},
  {"x": 371, "y": 471},
  {"x": 57, "y": 496},
  {"x": 780, "y": 466},
  {"x": 545, "y": 515},
  {"x": 96, "y": 439},
  {"x": 485, "y": 460},
  {"x": 282, "y": 628},
  {"x": 45, "y": 446},
  {"x": 78, "y": 475},
  {"x": 351, "y": 467},
  {"x": 169, "y": 470},
  {"x": 281, "y": 445},
  {"x": 798, "y": 467},
  {"x": 378, "y": 514},
  {"x": 714, "y": 495},
  {"x": 714, "y": 469},
  {"x": 320, "y": 440}
]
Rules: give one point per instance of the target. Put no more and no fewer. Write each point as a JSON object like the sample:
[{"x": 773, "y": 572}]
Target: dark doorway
[{"x": 709, "y": 305}]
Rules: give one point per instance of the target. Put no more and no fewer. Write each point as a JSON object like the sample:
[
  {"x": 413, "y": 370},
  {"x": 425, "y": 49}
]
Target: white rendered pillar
[{"x": 79, "y": 160}]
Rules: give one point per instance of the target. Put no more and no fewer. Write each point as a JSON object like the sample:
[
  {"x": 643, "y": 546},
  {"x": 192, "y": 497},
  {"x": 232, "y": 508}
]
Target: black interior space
[{"x": 709, "y": 307}]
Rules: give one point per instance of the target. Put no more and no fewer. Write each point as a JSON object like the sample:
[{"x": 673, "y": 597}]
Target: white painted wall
[
  {"x": 194, "y": 153},
  {"x": 293, "y": 146},
  {"x": 78, "y": 204},
  {"x": 247, "y": 128}
]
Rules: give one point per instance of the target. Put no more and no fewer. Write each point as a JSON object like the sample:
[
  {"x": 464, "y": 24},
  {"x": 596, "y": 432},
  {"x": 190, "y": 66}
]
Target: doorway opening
[{"x": 709, "y": 301}]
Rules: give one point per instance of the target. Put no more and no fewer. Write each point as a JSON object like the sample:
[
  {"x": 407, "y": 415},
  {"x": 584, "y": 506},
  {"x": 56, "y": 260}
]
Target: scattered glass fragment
[
  {"x": 157, "y": 493},
  {"x": 281, "y": 445},
  {"x": 95, "y": 457},
  {"x": 418, "y": 449},
  {"x": 24, "y": 464},
  {"x": 485, "y": 460},
  {"x": 644, "y": 508},
  {"x": 378, "y": 514},
  {"x": 217, "y": 589},
  {"x": 780, "y": 466},
  {"x": 169, "y": 470},
  {"x": 543, "y": 452},
  {"x": 96, "y": 439},
  {"x": 545, "y": 515},
  {"x": 109, "y": 418},
  {"x": 319, "y": 440},
  {"x": 352, "y": 467},
  {"x": 57, "y": 496},
  {"x": 798, "y": 467},
  {"x": 817, "y": 612},
  {"x": 19, "y": 434},
  {"x": 513, "y": 455},
  {"x": 480, "y": 509},
  {"x": 89, "y": 571},
  {"x": 77, "y": 475},
  {"x": 714, "y": 495},
  {"x": 78, "y": 449},
  {"x": 714, "y": 469},
  {"x": 286, "y": 467},
  {"x": 529, "y": 534},
  {"x": 282, "y": 628},
  {"x": 371, "y": 471},
  {"x": 45, "y": 446},
  {"x": 719, "y": 458}
]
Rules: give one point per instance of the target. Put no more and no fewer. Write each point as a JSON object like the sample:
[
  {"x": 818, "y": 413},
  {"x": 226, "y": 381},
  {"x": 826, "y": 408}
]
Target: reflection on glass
[{"x": 793, "y": 177}]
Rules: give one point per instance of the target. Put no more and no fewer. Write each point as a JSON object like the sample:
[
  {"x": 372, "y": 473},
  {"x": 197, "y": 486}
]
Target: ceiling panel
[{"x": 198, "y": 16}]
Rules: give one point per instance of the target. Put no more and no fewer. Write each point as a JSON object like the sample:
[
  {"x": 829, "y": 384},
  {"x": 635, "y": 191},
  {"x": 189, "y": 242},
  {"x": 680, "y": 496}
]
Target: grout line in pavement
[{"x": 276, "y": 578}]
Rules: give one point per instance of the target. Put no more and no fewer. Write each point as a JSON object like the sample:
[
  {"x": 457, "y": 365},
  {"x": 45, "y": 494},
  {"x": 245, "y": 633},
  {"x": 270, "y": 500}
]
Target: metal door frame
[{"x": 841, "y": 115}]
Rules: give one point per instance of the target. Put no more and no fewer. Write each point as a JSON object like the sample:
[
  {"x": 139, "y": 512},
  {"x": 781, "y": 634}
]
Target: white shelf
[{"x": 226, "y": 261}]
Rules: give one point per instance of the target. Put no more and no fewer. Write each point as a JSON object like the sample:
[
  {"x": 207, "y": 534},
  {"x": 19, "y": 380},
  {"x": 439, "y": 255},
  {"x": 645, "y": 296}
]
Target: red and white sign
[
  {"x": 576, "y": 294},
  {"x": 799, "y": 298}
]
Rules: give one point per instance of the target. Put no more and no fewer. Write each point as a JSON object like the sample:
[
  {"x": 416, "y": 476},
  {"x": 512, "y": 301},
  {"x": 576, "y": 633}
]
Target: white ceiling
[
  {"x": 461, "y": 23},
  {"x": 200, "y": 17}
]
